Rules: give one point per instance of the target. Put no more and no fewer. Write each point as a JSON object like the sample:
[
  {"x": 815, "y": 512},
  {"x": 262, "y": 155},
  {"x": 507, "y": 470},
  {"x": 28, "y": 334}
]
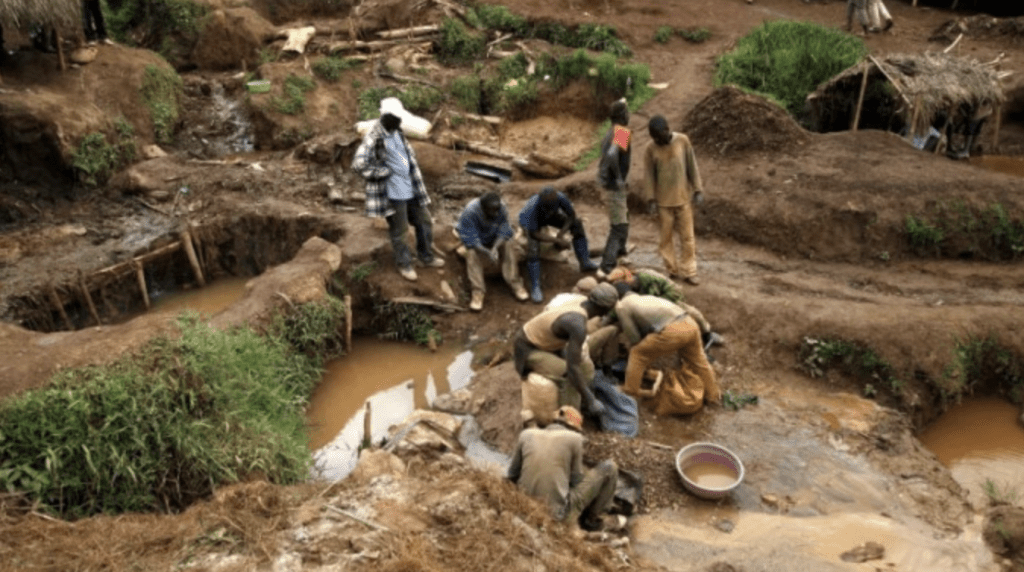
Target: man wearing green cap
[{"x": 538, "y": 344}]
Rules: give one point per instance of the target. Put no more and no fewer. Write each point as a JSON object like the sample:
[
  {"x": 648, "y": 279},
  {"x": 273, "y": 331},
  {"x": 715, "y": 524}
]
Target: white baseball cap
[{"x": 393, "y": 106}]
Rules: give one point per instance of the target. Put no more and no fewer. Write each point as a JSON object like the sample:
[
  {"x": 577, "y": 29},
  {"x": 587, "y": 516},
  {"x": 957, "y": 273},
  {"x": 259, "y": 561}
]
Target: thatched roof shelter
[
  {"x": 62, "y": 14},
  {"x": 913, "y": 91}
]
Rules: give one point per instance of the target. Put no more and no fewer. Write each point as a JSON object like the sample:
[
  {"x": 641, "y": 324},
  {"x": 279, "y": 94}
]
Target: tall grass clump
[
  {"x": 459, "y": 45},
  {"x": 466, "y": 90},
  {"x": 956, "y": 229},
  {"x": 162, "y": 91},
  {"x": 983, "y": 362},
  {"x": 161, "y": 429},
  {"x": 330, "y": 68},
  {"x": 294, "y": 100},
  {"x": 819, "y": 355},
  {"x": 95, "y": 159},
  {"x": 787, "y": 60}
]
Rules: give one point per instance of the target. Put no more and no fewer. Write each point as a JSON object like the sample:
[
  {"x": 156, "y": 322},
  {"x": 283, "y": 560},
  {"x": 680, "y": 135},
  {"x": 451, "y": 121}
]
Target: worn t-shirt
[{"x": 547, "y": 463}]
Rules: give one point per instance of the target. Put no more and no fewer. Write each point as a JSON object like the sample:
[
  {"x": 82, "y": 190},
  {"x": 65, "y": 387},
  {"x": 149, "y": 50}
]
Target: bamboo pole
[
  {"x": 127, "y": 265},
  {"x": 860, "y": 98},
  {"x": 88, "y": 299},
  {"x": 186, "y": 241},
  {"x": 60, "y": 51},
  {"x": 348, "y": 323},
  {"x": 140, "y": 275},
  {"x": 55, "y": 299},
  {"x": 413, "y": 31}
]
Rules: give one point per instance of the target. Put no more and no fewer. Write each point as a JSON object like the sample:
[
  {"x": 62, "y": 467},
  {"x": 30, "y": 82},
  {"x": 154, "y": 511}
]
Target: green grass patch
[
  {"x": 982, "y": 362},
  {"x": 954, "y": 229},
  {"x": 169, "y": 27},
  {"x": 1000, "y": 495},
  {"x": 406, "y": 322},
  {"x": 459, "y": 45},
  {"x": 492, "y": 17},
  {"x": 161, "y": 429},
  {"x": 466, "y": 91},
  {"x": 694, "y": 35},
  {"x": 788, "y": 60},
  {"x": 663, "y": 34},
  {"x": 421, "y": 98},
  {"x": 95, "y": 159},
  {"x": 331, "y": 68},
  {"x": 162, "y": 94},
  {"x": 819, "y": 355},
  {"x": 368, "y": 101},
  {"x": 294, "y": 100}
]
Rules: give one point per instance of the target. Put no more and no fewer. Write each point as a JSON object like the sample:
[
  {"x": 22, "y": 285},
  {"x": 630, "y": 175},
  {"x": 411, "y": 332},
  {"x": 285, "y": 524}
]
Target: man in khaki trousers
[{"x": 672, "y": 181}]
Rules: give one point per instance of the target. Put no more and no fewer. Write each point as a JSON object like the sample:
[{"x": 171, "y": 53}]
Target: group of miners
[
  {"x": 395, "y": 191},
  {"x": 580, "y": 334},
  {"x": 93, "y": 27}
]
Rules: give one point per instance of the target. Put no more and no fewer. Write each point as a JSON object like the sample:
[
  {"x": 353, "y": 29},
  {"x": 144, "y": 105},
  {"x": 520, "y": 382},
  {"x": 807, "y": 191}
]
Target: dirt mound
[
  {"x": 980, "y": 26},
  {"x": 730, "y": 121}
]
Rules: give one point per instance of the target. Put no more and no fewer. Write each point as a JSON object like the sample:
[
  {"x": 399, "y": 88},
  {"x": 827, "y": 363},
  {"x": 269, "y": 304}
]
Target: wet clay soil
[{"x": 802, "y": 243}]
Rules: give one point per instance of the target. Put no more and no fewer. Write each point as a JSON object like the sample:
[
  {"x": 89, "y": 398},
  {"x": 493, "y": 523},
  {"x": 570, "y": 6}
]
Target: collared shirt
[
  {"x": 399, "y": 184},
  {"x": 376, "y": 173},
  {"x": 642, "y": 314},
  {"x": 532, "y": 217},
  {"x": 475, "y": 229}
]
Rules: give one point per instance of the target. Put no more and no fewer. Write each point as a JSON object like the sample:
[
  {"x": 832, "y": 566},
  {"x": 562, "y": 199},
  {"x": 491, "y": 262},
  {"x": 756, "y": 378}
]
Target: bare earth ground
[{"x": 797, "y": 238}]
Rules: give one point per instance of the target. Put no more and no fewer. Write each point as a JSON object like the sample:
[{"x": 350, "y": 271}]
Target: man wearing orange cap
[{"x": 548, "y": 464}]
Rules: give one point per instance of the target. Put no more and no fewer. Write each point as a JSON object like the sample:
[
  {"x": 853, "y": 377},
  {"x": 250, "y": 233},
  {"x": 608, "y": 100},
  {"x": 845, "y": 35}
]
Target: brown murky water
[
  {"x": 372, "y": 366},
  {"x": 710, "y": 475},
  {"x": 208, "y": 300},
  {"x": 981, "y": 441},
  {"x": 1001, "y": 164}
]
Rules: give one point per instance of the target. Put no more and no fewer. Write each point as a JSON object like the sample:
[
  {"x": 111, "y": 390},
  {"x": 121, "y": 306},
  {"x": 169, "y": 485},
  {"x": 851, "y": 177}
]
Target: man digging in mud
[
  {"x": 548, "y": 464},
  {"x": 655, "y": 327},
  {"x": 538, "y": 342},
  {"x": 672, "y": 183},
  {"x": 395, "y": 189},
  {"x": 486, "y": 235},
  {"x": 551, "y": 208}
]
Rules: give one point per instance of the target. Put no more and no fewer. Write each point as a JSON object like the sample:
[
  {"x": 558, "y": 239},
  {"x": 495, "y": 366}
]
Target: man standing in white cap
[{"x": 395, "y": 189}]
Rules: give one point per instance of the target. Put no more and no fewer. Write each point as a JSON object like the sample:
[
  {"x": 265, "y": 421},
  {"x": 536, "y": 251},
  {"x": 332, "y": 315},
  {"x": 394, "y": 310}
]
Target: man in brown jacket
[
  {"x": 548, "y": 464},
  {"x": 672, "y": 182}
]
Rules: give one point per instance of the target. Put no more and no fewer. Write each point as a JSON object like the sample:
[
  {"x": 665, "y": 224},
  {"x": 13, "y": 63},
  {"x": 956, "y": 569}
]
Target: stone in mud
[{"x": 870, "y": 550}]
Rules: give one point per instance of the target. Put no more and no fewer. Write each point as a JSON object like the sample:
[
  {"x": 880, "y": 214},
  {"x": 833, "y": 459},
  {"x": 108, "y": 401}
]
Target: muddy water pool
[
  {"x": 394, "y": 378},
  {"x": 1000, "y": 164},
  {"x": 982, "y": 443}
]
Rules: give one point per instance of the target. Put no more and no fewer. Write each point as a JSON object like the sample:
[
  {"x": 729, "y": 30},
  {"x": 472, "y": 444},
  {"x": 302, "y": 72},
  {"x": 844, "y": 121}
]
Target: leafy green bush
[
  {"x": 983, "y": 361},
  {"x": 420, "y": 98},
  {"x": 818, "y": 355},
  {"x": 459, "y": 45},
  {"x": 369, "y": 101},
  {"x": 170, "y": 27},
  {"x": 695, "y": 35},
  {"x": 96, "y": 159},
  {"x": 788, "y": 60},
  {"x": 330, "y": 68},
  {"x": 162, "y": 429},
  {"x": 923, "y": 235},
  {"x": 488, "y": 16},
  {"x": 957, "y": 229},
  {"x": 294, "y": 100},
  {"x": 663, "y": 34},
  {"x": 407, "y": 322},
  {"x": 465, "y": 89},
  {"x": 162, "y": 93}
]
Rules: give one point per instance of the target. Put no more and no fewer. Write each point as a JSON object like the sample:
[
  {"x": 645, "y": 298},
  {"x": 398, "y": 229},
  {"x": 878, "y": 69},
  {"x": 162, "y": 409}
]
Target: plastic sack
[{"x": 620, "y": 410}]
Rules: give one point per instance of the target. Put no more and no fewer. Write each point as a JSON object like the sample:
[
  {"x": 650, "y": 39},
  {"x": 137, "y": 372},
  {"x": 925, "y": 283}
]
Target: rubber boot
[
  {"x": 615, "y": 247},
  {"x": 533, "y": 274},
  {"x": 579, "y": 246}
]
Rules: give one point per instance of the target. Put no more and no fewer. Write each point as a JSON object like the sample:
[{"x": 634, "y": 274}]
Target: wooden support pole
[
  {"x": 55, "y": 299},
  {"x": 88, "y": 299},
  {"x": 995, "y": 134},
  {"x": 186, "y": 241},
  {"x": 367, "y": 427},
  {"x": 348, "y": 323},
  {"x": 140, "y": 275},
  {"x": 860, "y": 97}
]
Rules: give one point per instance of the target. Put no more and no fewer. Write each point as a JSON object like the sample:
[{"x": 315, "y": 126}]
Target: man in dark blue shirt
[
  {"x": 551, "y": 208},
  {"x": 487, "y": 236}
]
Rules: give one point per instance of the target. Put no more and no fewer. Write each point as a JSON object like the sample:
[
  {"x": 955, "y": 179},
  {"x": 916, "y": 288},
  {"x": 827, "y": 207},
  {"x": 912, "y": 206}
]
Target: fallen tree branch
[
  {"x": 428, "y": 302},
  {"x": 351, "y": 45},
  {"x": 385, "y": 72},
  {"x": 483, "y": 149},
  {"x": 409, "y": 32},
  {"x": 360, "y": 520}
]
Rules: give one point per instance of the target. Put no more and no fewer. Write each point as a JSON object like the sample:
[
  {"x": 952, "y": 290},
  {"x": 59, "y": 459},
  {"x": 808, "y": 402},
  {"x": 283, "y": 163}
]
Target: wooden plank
[
  {"x": 428, "y": 302},
  {"x": 407, "y": 32},
  {"x": 88, "y": 299},
  {"x": 860, "y": 98},
  {"x": 59, "y": 305}
]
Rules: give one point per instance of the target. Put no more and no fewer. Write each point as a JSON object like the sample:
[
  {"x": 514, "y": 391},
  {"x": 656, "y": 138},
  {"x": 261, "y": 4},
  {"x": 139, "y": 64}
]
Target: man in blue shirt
[
  {"x": 487, "y": 235},
  {"x": 551, "y": 208},
  {"x": 395, "y": 189}
]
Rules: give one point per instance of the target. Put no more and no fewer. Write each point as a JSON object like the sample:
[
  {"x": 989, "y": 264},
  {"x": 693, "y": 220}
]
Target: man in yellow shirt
[{"x": 672, "y": 181}]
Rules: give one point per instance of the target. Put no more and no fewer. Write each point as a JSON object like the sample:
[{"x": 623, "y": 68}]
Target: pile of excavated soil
[
  {"x": 729, "y": 121},
  {"x": 980, "y": 26}
]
